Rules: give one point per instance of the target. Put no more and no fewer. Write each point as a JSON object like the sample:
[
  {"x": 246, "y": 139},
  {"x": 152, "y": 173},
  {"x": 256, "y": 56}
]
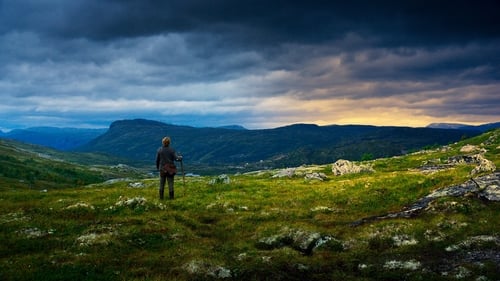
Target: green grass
[{"x": 91, "y": 232}]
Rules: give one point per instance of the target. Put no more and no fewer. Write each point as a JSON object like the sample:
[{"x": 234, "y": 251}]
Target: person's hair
[{"x": 166, "y": 141}]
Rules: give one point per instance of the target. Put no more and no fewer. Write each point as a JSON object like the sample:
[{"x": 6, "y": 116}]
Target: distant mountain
[
  {"x": 58, "y": 138},
  {"x": 280, "y": 147},
  {"x": 482, "y": 128},
  {"x": 233, "y": 127}
]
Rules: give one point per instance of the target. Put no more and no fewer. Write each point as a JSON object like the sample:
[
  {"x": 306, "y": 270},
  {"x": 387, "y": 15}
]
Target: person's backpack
[{"x": 169, "y": 169}]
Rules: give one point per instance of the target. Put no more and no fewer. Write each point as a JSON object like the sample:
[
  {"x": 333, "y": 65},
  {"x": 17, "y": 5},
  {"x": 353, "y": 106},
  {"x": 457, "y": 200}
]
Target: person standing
[{"x": 165, "y": 158}]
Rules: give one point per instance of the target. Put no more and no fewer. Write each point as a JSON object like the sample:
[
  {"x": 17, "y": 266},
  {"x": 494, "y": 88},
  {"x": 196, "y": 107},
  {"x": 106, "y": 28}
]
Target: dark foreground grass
[{"x": 212, "y": 232}]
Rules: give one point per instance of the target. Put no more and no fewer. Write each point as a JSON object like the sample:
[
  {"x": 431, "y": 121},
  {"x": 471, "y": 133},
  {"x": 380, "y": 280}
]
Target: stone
[
  {"x": 409, "y": 265},
  {"x": 196, "y": 267},
  {"x": 300, "y": 240},
  {"x": 288, "y": 172},
  {"x": 34, "y": 232},
  {"x": 465, "y": 159},
  {"x": 484, "y": 165},
  {"x": 80, "y": 205},
  {"x": 304, "y": 241},
  {"x": 131, "y": 203},
  {"x": 136, "y": 184},
  {"x": 343, "y": 167},
  {"x": 315, "y": 176},
  {"x": 468, "y": 148},
  {"x": 489, "y": 187},
  {"x": 92, "y": 239},
  {"x": 221, "y": 179}
]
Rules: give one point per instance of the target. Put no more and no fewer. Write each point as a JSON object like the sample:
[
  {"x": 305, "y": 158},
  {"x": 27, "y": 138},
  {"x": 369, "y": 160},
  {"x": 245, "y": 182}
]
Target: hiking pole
[{"x": 183, "y": 177}]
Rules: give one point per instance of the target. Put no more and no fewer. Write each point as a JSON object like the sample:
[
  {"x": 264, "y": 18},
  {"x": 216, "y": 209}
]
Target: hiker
[{"x": 165, "y": 158}]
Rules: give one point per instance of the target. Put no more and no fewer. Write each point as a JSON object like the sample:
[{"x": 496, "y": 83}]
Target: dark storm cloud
[
  {"x": 257, "y": 21},
  {"x": 472, "y": 62},
  {"x": 250, "y": 60}
]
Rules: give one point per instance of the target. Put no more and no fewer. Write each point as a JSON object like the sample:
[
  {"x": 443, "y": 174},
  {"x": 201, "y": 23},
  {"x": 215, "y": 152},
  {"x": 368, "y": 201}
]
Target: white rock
[{"x": 342, "y": 167}]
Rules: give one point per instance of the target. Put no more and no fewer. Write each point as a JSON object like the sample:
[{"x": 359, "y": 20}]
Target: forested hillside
[{"x": 280, "y": 147}]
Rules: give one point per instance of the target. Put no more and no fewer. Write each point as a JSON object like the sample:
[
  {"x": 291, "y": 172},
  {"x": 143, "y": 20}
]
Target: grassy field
[{"x": 255, "y": 227}]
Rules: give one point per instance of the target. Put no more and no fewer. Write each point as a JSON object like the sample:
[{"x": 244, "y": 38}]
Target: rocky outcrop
[
  {"x": 343, "y": 167},
  {"x": 468, "y": 148},
  {"x": 300, "y": 240},
  {"x": 485, "y": 187},
  {"x": 483, "y": 165},
  {"x": 288, "y": 172},
  {"x": 299, "y": 172},
  {"x": 315, "y": 176}
]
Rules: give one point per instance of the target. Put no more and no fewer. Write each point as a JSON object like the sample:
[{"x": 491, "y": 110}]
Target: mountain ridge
[
  {"x": 237, "y": 148},
  {"x": 291, "y": 145},
  {"x": 68, "y": 138},
  {"x": 54, "y": 137},
  {"x": 482, "y": 127}
]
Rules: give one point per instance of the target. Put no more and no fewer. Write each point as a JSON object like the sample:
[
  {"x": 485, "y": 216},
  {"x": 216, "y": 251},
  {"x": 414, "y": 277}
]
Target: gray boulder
[
  {"x": 221, "y": 179},
  {"x": 288, "y": 172},
  {"x": 483, "y": 164},
  {"x": 343, "y": 167},
  {"x": 300, "y": 240},
  {"x": 469, "y": 148},
  {"x": 315, "y": 176}
]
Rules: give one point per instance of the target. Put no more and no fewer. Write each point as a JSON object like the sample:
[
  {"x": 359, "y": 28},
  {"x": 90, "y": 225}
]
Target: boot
[
  {"x": 161, "y": 194},
  {"x": 171, "y": 195}
]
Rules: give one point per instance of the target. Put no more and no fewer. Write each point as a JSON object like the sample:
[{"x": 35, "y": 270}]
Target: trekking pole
[{"x": 183, "y": 177}]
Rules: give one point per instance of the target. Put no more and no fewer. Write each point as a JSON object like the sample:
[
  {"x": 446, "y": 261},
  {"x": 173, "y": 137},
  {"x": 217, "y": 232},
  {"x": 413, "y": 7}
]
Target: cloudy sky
[{"x": 259, "y": 64}]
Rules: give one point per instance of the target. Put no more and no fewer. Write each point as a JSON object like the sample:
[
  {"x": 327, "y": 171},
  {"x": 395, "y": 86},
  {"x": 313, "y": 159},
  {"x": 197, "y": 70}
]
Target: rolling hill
[{"x": 34, "y": 166}]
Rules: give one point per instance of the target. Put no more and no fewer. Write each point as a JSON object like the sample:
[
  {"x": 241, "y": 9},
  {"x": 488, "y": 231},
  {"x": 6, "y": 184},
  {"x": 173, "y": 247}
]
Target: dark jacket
[{"x": 165, "y": 155}]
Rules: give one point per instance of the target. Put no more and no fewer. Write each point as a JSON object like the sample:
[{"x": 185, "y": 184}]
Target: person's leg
[
  {"x": 162, "y": 186},
  {"x": 170, "y": 187}
]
